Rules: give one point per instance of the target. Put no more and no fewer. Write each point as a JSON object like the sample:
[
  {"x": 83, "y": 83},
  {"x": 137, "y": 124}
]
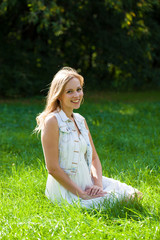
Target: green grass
[{"x": 126, "y": 132}]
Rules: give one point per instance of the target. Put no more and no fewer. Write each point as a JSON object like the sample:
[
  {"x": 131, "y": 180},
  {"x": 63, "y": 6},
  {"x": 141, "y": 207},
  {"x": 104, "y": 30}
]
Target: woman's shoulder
[
  {"x": 51, "y": 119},
  {"x": 50, "y": 128}
]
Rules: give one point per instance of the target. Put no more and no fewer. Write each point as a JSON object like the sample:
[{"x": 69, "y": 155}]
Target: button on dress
[{"x": 74, "y": 162}]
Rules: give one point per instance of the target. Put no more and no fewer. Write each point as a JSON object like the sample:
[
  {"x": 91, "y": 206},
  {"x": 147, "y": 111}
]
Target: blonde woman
[{"x": 74, "y": 168}]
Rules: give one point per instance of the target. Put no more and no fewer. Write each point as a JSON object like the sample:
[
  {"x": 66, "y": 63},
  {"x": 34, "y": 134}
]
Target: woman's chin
[{"x": 76, "y": 107}]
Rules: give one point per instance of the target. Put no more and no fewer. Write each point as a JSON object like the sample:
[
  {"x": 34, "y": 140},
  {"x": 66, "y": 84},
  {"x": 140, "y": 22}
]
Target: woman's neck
[{"x": 68, "y": 112}]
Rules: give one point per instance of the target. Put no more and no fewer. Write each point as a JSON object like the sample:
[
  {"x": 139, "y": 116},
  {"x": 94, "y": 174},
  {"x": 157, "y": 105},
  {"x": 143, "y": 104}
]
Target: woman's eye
[
  {"x": 69, "y": 91},
  {"x": 79, "y": 89}
]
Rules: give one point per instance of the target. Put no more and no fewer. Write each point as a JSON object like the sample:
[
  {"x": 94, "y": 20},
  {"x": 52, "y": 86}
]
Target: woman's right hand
[{"x": 86, "y": 196}]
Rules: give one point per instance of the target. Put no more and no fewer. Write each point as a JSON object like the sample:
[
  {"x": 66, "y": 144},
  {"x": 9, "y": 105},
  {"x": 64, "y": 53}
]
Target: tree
[{"x": 113, "y": 43}]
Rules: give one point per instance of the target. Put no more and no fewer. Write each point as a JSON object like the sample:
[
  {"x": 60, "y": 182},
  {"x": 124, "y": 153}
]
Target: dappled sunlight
[
  {"x": 123, "y": 109},
  {"x": 128, "y": 110},
  {"x": 96, "y": 122}
]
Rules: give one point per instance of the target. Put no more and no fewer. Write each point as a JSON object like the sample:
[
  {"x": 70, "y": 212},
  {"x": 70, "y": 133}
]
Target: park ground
[{"x": 126, "y": 132}]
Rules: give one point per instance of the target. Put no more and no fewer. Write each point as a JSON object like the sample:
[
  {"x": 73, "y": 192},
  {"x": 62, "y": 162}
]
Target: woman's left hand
[{"x": 94, "y": 190}]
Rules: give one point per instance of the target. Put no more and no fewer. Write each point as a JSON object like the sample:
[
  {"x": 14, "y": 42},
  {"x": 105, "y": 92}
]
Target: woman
[{"x": 74, "y": 168}]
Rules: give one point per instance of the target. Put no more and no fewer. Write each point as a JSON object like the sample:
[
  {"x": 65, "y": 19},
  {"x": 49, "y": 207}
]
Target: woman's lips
[{"x": 75, "y": 101}]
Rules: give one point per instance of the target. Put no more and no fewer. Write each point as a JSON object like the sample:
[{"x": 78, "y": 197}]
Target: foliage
[
  {"x": 113, "y": 43},
  {"x": 127, "y": 137}
]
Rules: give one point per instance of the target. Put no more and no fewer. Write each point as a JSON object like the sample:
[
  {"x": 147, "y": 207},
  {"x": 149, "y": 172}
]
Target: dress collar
[{"x": 64, "y": 117}]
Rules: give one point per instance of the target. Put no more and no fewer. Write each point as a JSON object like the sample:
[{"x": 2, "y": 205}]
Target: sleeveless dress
[{"x": 82, "y": 176}]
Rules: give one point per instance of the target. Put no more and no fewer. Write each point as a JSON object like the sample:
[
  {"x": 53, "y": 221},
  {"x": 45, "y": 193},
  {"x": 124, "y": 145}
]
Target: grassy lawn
[{"x": 126, "y": 132}]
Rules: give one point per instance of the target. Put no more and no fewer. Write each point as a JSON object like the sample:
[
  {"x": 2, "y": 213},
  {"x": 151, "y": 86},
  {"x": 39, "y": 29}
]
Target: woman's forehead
[{"x": 73, "y": 83}]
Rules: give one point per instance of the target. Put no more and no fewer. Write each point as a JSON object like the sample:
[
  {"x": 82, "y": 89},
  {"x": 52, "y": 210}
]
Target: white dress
[{"x": 115, "y": 189}]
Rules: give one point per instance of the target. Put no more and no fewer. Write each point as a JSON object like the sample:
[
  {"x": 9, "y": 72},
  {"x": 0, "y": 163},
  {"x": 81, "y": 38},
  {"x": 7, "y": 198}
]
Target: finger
[
  {"x": 100, "y": 190},
  {"x": 94, "y": 191},
  {"x": 102, "y": 194},
  {"x": 98, "y": 195},
  {"x": 86, "y": 190},
  {"x": 89, "y": 191}
]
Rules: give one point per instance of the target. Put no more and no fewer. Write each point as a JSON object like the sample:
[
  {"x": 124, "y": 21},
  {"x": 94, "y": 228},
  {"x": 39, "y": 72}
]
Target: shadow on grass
[
  {"x": 124, "y": 209},
  {"x": 108, "y": 210}
]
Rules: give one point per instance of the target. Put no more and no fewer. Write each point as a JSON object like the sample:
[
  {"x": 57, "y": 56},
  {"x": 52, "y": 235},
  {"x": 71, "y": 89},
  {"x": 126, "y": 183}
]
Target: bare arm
[
  {"x": 96, "y": 168},
  {"x": 50, "y": 144}
]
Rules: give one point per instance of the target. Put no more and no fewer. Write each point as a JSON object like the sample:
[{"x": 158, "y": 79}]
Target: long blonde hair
[{"x": 56, "y": 88}]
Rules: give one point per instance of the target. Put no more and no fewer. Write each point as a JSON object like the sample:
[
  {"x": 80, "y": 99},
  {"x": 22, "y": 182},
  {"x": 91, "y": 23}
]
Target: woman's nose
[{"x": 76, "y": 94}]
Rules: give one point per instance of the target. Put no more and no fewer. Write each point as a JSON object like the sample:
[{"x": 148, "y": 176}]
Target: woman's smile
[{"x": 75, "y": 101}]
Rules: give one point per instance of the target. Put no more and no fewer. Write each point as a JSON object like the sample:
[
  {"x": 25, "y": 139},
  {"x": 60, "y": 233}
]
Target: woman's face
[{"x": 72, "y": 95}]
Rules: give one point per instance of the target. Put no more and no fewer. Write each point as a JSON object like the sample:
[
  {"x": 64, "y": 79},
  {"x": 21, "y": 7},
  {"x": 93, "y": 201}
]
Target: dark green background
[{"x": 114, "y": 44}]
